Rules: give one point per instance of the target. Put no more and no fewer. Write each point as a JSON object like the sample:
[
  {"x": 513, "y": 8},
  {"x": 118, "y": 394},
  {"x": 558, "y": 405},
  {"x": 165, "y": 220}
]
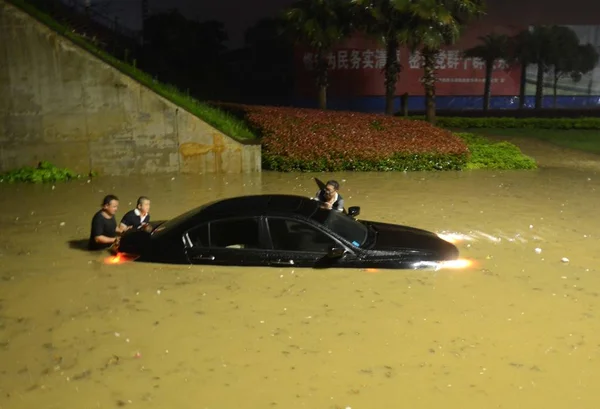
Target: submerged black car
[{"x": 284, "y": 230}]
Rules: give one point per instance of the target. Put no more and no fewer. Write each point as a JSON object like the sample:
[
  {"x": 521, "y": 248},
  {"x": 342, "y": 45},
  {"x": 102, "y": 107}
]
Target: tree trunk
[
  {"x": 428, "y": 81},
  {"x": 539, "y": 86},
  {"x": 392, "y": 70},
  {"x": 322, "y": 79},
  {"x": 554, "y": 86},
  {"x": 404, "y": 104},
  {"x": 487, "y": 88},
  {"x": 522, "y": 85},
  {"x": 323, "y": 97}
]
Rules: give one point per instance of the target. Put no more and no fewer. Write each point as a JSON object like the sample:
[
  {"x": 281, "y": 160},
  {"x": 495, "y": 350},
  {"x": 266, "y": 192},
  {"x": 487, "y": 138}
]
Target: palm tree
[
  {"x": 319, "y": 24},
  {"x": 540, "y": 51},
  {"x": 493, "y": 47},
  {"x": 522, "y": 53},
  {"x": 573, "y": 61},
  {"x": 380, "y": 19},
  {"x": 546, "y": 46},
  {"x": 432, "y": 25}
]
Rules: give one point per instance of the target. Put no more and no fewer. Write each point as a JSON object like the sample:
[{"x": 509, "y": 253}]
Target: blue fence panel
[{"x": 376, "y": 104}]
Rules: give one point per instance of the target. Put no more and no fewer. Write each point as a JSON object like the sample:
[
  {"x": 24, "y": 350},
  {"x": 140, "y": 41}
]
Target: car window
[
  {"x": 235, "y": 233},
  {"x": 350, "y": 229},
  {"x": 293, "y": 235},
  {"x": 198, "y": 236}
]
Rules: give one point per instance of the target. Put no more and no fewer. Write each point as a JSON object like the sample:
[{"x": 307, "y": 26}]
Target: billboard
[
  {"x": 589, "y": 85},
  {"x": 356, "y": 69}
]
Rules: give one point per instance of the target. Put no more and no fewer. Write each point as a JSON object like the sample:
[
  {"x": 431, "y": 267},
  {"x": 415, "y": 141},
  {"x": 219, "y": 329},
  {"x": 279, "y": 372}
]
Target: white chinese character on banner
[
  {"x": 368, "y": 59},
  {"x": 309, "y": 61},
  {"x": 500, "y": 65},
  {"x": 466, "y": 63},
  {"x": 331, "y": 61},
  {"x": 440, "y": 60},
  {"x": 380, "y": 58},
  {"x": 342, "y": 59},
  {"x": 478, "y": 63},
  {"x": 415, "y": 60},
  {"x": 355, "y": 59},
  {"x": 452, "y": 59},
  {"x": 398, "y": 56}
]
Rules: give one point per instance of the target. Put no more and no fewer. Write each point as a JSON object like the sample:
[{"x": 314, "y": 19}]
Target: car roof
[
  {"x": 253, "y": 205},
  {"x": 260, "y": 205}
]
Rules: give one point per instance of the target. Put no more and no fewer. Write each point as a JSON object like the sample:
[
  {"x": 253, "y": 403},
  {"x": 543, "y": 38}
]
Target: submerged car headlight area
[{"x": 120, "y": 258}]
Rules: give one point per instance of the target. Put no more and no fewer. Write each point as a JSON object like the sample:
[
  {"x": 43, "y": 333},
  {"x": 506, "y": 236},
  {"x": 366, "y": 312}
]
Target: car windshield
[
  {"x": 174, "y": 222},
  {"x": 343, "y": 225}
]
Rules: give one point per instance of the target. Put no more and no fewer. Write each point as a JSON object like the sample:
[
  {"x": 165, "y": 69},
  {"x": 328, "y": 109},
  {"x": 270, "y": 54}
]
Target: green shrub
[
  {"x": 530, "y": 123},
  {"x": 499, "y": 155},
  {"x": 397, "y": 162},
  {"x": 45, "y": 172},
  {"x": 296, "y": 139}
]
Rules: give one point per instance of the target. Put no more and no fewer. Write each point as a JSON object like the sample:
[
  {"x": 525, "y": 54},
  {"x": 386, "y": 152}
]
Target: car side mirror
[
  {"x": 336, "y": 252},
  {"x": 354, "y": 211}
]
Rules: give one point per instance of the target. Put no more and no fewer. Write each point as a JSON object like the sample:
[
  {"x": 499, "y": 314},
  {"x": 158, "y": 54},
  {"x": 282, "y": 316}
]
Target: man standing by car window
[
  {"x": 330, "y": 197},
  {"x": 139, "y": 217},
  {"x": 104, "y": 225}
]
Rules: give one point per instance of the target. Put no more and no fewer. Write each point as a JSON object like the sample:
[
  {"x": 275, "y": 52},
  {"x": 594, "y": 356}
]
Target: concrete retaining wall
[{"x": 60, "y": 103}]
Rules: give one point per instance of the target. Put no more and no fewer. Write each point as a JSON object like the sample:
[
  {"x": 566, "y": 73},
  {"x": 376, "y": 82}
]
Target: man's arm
[
  {"x": 123, "y": 228},
  {"x": 340, "y": 205},
  {"x": 97, "y": 230},
  {"x": 125, "y": 223}
]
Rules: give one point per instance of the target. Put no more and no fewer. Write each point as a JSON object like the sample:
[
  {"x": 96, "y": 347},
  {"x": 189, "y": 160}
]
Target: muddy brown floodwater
[{"x": 519, "y": 329}]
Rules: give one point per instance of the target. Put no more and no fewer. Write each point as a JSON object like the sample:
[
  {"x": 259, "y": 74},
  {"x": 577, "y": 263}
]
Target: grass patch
[
  {"x": 220, "y": 120},
  {"x": 579, "y": 139},
  {"x": 486, "y": 154}
]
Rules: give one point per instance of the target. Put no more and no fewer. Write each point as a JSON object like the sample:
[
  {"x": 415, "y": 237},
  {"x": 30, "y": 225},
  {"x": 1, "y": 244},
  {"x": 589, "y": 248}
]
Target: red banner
[{"x": 356, "y": 69}]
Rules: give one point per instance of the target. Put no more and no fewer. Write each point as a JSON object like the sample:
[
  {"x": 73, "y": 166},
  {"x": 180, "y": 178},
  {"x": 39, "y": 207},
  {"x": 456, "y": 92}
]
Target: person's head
[
  {"x": 331, "y": 187},
  {"x": 143, "y": 204},
  {"x": 110, "y": 204}
]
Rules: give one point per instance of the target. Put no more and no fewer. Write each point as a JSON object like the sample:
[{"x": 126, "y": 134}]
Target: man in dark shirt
[
  {"x": 104, "y": 225},
  {"x": 139, "y": 217},
  {"x": 329, "y": 196}
]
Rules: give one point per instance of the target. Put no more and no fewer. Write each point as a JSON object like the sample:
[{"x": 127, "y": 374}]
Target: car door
[
  {"x": 233, "y": 241},
  {"x": 297, "y": 243}
]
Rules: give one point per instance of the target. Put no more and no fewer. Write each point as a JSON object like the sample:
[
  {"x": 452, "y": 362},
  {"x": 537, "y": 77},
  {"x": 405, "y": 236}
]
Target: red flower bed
[{"x": 307, "y": 139}]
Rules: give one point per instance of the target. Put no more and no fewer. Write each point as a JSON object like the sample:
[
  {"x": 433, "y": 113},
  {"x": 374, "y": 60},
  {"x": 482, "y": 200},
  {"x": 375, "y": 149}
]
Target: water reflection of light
[
  {"x": 119, "y": 258},
  {"x": 446, "y": 264},
  {"x": 455, "y": 237}
]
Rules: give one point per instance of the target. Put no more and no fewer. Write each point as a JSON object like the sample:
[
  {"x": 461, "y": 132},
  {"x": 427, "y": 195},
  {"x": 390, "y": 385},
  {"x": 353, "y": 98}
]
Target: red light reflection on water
[{"x": 119, "y": 258}]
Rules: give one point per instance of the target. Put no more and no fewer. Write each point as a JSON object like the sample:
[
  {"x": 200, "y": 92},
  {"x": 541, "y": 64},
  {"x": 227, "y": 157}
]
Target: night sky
[{"x": 238, "y": 15}]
